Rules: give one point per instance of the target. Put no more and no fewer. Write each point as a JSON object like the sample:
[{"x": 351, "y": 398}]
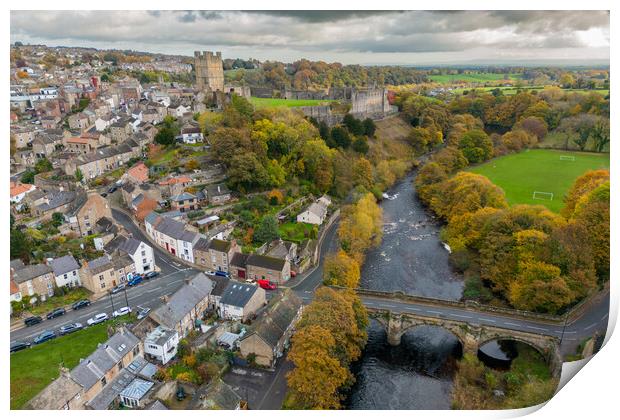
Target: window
[
  {"x": 136, "y": 350},
  {"x": 120, "y": 365},
  {"x": 65, "y": 276},
  {"x": 103, "y": 381},
  {"x": 143, "y": 253},
  {"x": 74, "y": 272},
  {"x": 111, "y": 272},
  {"x": 101, "y": 277},
  {"x": 102, "y": 284},
  {"x": 144, "y": 261}
]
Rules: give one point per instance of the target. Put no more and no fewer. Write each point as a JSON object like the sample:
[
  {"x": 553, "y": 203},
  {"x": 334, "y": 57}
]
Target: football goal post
[
  {"x": 569, "y": 158},
  {"x": 542, "y": 195}
]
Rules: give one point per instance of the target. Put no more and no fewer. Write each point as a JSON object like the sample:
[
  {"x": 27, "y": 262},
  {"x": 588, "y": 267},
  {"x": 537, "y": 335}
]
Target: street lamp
[
  {"x": 126, "y": 300},
  {"x": 111, "y": 300}
]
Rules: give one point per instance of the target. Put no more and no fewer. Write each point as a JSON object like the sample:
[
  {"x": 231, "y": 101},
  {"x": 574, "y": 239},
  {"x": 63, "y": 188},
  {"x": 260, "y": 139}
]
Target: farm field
[
  {"x": 268, "y": 102},
  {"x": 511, "y": 90},
  {"x": 519, "y": 175},
  {"x": 472, "y": 77}
]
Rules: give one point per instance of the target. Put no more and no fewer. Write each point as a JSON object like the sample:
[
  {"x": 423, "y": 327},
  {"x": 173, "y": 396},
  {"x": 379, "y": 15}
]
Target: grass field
[
  {"x": 472, "y": 77},
  {"x": 508, "y": 90},
  {"x": 269, "y": 102},
  {"x": 297, "y": 232},
  {"x": 34, "y": 368},
  {"x": 519, "y": 175}
]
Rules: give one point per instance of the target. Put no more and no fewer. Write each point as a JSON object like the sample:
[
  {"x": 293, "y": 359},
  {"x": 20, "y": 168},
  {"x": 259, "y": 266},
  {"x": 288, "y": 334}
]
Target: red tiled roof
[
  {"x": 139, "y": 171},
  {"x": 18, "y": 188},
  {"x": 177, "y": 180}
]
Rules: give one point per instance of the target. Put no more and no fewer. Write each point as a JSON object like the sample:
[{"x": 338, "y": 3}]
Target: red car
[{"x": 267, "y": 284}]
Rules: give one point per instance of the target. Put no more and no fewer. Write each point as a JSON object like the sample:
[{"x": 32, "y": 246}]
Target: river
[{"x": 417, "y": 374}]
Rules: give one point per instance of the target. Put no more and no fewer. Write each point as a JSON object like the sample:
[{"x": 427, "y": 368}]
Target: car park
[
  {"x": 97, "y": 319},
  {"x": 125, "y": 310},
  {"x": 151, "y": 274},
  {"x": 56, "y": 313},
  {"x": 118, "y": 288},
  {"x": 33, "y": 320},
  {"x": 44, "y": 336},
  {"x": 143, "y": 312},
  {"x": 135, "y": 280},
  {"x": 80, "y": 304},
  {"x": 19, "y": 345},
  {"x": 69, "y": 328}
]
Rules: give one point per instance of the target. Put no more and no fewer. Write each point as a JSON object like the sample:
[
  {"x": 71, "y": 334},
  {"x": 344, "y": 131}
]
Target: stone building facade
[{"x": 209, "y": 71}]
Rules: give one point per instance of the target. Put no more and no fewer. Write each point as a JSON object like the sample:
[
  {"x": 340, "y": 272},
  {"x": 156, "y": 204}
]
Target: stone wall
[{"x": 209, "y": 70}]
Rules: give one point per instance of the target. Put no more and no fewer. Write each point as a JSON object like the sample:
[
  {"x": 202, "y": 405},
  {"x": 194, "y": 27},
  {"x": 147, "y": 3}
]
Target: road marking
[
  {"x": 538, "y": 328},
  {"x": 487, "y": 320},
  {"x": 155, "y": 288},
  {"x": 514, "y": 325},
  {"x": 590, "y": 326},
  {"x": 433, "y": 312},
  {"x": 460, "y": 316},
  {"x": 603, "y": 318}
]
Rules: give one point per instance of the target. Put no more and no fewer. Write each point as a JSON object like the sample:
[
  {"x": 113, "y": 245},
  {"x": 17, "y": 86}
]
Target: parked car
[
  {"x": 143, "y": 312},
  {"x": 118, "y": 288},
  {"x": 80, "y": 304},
  {"x": 135, "y": 280},
  {"x": 217, "y": 273},
  {"x": 151, "y": 274},
  {"x": 69, "y": 328},
  {"x": 112, "y": 189},
  {"x": 104, "y": 194},
  {"x": 267, "y": 284},
  {"x": 97, "y": 319},
  {"x": 33, "y": 320},
  {"x": 19, "y": 345},
  {"x": 125, "y": 310},
  {"x": 56, "y": 313},
  {"x": 44, "y": 336}
]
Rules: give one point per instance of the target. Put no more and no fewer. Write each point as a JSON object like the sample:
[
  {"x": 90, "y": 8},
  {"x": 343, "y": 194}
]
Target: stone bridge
[{"x": 472, "y": 336}]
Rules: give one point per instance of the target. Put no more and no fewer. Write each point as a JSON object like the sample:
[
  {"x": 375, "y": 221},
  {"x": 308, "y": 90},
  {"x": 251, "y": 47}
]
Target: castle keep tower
[{"x": 209, "y": 71}]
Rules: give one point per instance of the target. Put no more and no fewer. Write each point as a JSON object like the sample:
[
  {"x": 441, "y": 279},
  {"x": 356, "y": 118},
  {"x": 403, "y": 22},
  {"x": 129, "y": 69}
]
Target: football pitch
[{"x": 540, "y": 176}]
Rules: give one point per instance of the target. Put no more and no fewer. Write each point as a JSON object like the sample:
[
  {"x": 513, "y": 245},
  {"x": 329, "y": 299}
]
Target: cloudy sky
[{"x": 372, "y": 37}]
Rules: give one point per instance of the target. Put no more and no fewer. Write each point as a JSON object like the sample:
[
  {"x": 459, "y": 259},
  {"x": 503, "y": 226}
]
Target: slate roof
[
  {"x": 64, "y": 265},
  {"x": 99, "y": 265},
  {"x": 264, "y": 261},
  {"x": 55, "y": 395},
  {"x": 157, "y": 405},
  {"x": 217, "y": 396},
  {"x": 220, "y": 245},
  {"x": 90, "y": 370},
  {"x": 183, "y": 301},
  {"x": 239, "y": 260},
  {"x": 57, "y": 199},
  {"x": 30, "y": 272},
  {"x": 221, "y": 283},
  {"x": 130, "y": 245},
  {"x": 238, "y": 294},
  {"x": 218, "y": 189},
  {"x": 201, "y": 245},
  {"x": 276, "y": 319},
  {"x": 16, "y": 264},
  {"x": 183, "y": 196}
]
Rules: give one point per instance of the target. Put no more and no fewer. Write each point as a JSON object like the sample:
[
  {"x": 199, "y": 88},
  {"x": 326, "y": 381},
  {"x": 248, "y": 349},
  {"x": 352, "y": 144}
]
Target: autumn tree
[
  {"x": 361, "y": 226},
  {"x": 339, "y": 269},
  {"x": 317, "y": 377},
  {"x": 581, "y": 187},
  {"x": 466, "y": 192},
  {"x": 476, "y": 146}
]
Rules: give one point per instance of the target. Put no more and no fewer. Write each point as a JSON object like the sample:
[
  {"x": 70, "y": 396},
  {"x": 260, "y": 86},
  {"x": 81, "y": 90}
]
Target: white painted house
[
  {"x": 66, "y": 271},
  {"x": 140, "y": 253},
  {"x": 162, "y": 344}
]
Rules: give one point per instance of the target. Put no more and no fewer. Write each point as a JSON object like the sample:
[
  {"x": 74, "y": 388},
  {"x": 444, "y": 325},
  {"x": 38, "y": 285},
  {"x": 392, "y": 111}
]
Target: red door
[{"x": 241, "y": 274}]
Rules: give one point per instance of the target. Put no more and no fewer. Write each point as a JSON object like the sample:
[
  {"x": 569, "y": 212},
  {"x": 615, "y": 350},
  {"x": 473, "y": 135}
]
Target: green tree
[
  {"x": 267, "y": 230},
  {"x": 165, "y": 136},
  {"x": 340, "y": 137},
  {"x": 27, "y": 177},
  {"x": 78, "y": 175},
  {"x": 369, "y": 127},
  {"x": 476, "y": 146},
  {"x": 43, "y": 165}
]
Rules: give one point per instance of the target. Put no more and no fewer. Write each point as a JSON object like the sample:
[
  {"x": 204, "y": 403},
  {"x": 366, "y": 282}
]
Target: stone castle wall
[{"x": 209, "y": 70}]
